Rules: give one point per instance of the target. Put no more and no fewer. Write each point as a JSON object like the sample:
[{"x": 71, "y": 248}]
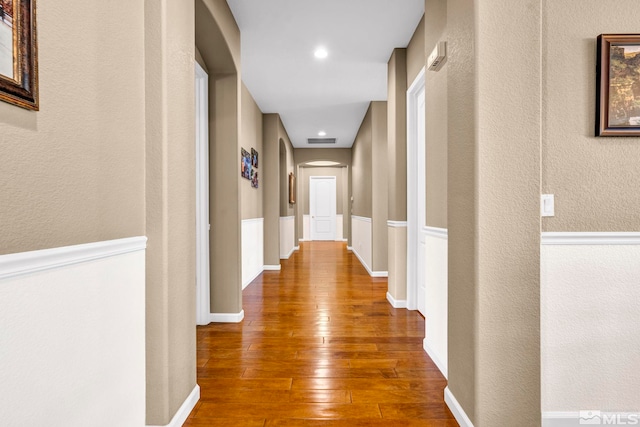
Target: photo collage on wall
[{"x": 249, "y": 166}]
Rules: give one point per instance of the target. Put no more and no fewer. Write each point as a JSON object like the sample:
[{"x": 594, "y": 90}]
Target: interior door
[{"x": 322, "y": 207}]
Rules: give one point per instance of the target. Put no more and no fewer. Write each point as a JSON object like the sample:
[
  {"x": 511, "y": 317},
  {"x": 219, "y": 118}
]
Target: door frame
[
  {"x": 415, "y": 197},
  {"x": 203, "y": 274},
  {"x": 312, "y": 202}
]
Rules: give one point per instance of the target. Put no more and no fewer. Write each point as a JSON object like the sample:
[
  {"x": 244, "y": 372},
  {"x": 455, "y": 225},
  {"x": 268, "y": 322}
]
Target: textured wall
[
  {"x": 379, "y": 186},
  {"x": 170, "y": 203},
  {"x": 436, "y": 117},
  {"x": 397, "y": 135},
  {"x": 251, "y": 137},
  {"x": 493, "y": 210},
  {"x": 416, "y": 56},
  {"x": 594, "y": 179},
  {"x": 74, "y": 171},
  {"x": 362, "y": 170}
]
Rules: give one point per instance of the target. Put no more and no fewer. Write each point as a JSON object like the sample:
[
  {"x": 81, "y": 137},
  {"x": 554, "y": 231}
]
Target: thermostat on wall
[{"x": 437, "y": 56}]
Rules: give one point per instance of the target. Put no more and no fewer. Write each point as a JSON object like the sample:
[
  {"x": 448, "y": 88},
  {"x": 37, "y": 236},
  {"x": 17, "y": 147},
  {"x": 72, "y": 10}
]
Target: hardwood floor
[{"x": 319, "y": 346}]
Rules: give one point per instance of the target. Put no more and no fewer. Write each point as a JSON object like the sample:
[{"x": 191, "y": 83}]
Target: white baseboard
[
  {"x": 226, "y": 317},
  {"x": 272, "y": 267},
  {"x": 432, "y": 354},
  {"x": 303, "y": 240},
  {"x": 185, "y": 409},
  {"x": 350, "y": 248},
  {"x": 287, "y": 256},
  {"x": 364, "y": 264},
  {"x": 396, "y": 303},
  {"x": 560, "y": 419},
  {"x": 455, "y": 408},
  {"x": 342, "y": 240},
  {"x": 248, "y": 282}
]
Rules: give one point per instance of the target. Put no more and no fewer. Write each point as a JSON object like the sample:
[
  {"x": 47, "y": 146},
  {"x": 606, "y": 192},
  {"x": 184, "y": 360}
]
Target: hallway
[{"x": 319, "y": 346}]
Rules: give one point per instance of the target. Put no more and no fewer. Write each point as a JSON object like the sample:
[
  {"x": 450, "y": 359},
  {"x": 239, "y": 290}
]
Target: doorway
[
  {"x": 202, "y": 196},
  {"x": 416, "y": 196},
  {"x": 322, "y": 207}
]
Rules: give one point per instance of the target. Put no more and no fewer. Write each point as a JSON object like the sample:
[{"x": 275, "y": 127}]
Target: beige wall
[
  {"x": 379, "y": 187},
  {"x": 74, "y": 171},
  {"x": 436, "y": 117},
  {"x": 416, "y": 55},
  {"x": 361, "y": 163},
  {"x": 594, "y": 179},
  {"x": 493, "y": 210},
  {"x": 397, "y": 135},
  {"x": 369, "y": 179},
  {"x": 286, "y": 208},
  {"x": 170, "y": 203},
  {"x": 251, "y": 137}
]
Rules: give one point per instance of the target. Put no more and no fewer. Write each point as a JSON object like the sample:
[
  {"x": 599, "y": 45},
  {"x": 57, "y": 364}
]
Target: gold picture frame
[
  {"x": 618, "y": 85},
  {"x": 292, "y": 188},
  {"x": 18, "y": 53}
]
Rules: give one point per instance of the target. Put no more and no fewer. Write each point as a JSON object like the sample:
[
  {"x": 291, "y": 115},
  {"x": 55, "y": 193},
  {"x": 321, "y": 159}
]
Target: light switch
[{"x": 547, "y": 205}]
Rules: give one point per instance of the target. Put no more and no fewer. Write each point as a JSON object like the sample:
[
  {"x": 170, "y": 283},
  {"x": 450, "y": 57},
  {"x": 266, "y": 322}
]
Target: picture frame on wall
[
  {"x": 254, "y": 158},
  {"x": 618, "y": 85},
  {"x": 245, "y": 164},
  {"x": 292, "y": 188},
  {"x": 18, "y": 53}
]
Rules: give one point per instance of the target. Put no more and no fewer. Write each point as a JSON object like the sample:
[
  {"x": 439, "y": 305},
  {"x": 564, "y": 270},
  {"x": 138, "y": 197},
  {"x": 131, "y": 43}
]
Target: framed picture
[
  {"x": 254, "y": 158},
  {"x": 618, "y": 85},
  {"x": 292, "y": 188},
  {"x": 18, "y": 53},
  {"x": 245, "y": 163}
]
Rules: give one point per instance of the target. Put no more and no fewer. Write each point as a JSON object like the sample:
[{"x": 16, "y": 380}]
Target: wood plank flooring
[{"x": 319, "y": 346}]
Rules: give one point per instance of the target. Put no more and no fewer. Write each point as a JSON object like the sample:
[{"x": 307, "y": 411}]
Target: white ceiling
[{"x": 278, "y": 66}]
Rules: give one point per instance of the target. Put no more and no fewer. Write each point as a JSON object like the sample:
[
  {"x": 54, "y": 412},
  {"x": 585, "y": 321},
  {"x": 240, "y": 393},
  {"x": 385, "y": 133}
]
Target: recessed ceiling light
[
  {"x": 322, "y": 133},
  {"x": 321, "y": 53}
]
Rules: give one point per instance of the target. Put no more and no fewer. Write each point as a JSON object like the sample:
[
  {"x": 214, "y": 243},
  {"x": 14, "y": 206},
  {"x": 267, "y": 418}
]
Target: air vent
[{"x": 321, "y": 140}]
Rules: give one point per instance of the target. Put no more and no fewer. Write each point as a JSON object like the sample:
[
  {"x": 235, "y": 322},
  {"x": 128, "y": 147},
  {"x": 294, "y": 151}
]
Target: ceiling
[{"x": 279, "y": 68}]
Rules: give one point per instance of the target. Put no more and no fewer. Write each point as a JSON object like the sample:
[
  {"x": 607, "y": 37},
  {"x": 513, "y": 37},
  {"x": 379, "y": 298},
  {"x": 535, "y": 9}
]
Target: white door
[
  {"x": 322, "y": 207},
  {"x": 202, "y": 197},
  {"x": 416, "y": 196}
]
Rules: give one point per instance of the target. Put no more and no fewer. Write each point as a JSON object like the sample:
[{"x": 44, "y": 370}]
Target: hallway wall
[
  {"x": 589, "y": 286},
  {"x": 370, "y": 188},
  {"x": 73, "y": 172},
  {"x": 251, "y": 137}
]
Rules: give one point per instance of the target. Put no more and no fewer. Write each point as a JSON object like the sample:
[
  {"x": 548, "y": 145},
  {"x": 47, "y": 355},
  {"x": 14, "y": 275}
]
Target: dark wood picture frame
[
  {"x": 21, "y": 88},
  {"x": 292, "y": 188},
  {"x": 618, "y": 85}
]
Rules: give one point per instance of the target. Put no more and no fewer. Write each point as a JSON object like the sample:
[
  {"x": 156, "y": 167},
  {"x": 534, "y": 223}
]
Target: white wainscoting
[
  {"x": 72, "y": 335},
  {"x": 590, "y": 339},
  {"x": 340, "y": 228},
  {"x": 306, "y": 228},
  {"x": 252, "y": 249},
  {"x": 287, "y": 236},
  {"x": 436, "y": 293},
  {"x": 361, "y": 240},
  {"x": 397, "y": 262}
]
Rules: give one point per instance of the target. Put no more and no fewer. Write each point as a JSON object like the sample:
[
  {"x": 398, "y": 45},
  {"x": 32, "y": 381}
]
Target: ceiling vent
[{"x": 321, "y": 140}]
